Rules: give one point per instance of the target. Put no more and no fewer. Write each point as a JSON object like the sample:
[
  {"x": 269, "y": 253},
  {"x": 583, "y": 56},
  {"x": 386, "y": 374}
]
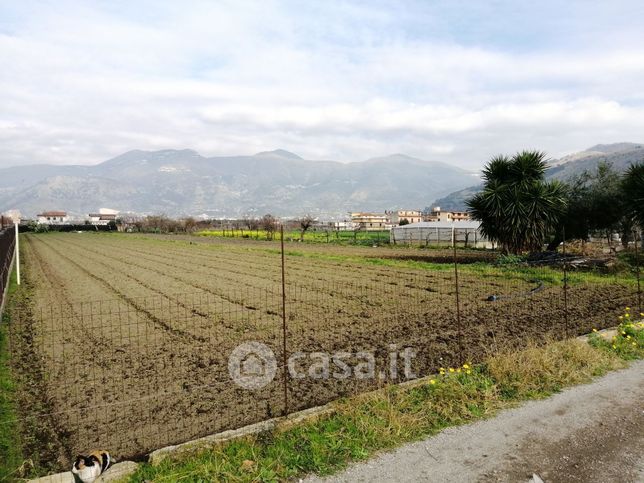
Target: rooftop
[{"x": 443, "y": 224}]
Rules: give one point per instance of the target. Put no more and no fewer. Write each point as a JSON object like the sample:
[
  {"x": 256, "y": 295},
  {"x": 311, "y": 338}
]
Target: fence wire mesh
[
  {"x": 7, "y": 241},
  {"x": 151, "y": 366}
]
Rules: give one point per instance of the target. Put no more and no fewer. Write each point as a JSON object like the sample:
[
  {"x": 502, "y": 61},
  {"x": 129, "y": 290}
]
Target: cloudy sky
[{"x": 83, "y": 81}]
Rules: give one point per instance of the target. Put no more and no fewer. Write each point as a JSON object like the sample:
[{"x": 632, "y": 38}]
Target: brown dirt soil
[{"x": 132, "y": 334}]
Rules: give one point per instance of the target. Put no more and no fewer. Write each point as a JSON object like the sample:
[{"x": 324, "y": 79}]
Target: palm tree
[
  {"x": 633, "y": 186},
  {"x": 517, "y": 208}
]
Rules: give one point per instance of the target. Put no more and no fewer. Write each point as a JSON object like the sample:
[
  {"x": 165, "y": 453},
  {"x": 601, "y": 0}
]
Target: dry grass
[
  {"x": 384, "y": 419},
  {"x": 538, "y": 371}
]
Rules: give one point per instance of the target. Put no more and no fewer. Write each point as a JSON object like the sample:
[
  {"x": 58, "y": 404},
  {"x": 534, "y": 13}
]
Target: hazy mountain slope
[
  {"x": 178, "y": 182},
  {"x": 456, "y": 201},
  {"x": 621, "y": 155}
]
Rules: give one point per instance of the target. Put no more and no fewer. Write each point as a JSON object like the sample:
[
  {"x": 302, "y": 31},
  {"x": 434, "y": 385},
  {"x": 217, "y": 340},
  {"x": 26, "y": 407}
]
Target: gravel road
[{"x": 593, "y": 432}]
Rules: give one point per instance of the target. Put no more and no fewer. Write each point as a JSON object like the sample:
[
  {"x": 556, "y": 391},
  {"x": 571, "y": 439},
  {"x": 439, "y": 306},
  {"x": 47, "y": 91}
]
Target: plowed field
[{"x": 128, "y": 337}]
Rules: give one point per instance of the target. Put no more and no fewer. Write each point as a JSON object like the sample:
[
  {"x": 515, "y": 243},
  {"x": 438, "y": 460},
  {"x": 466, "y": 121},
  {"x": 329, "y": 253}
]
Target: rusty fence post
[
  {"x": 458, "y": 308},
  {"x": 638, "y": 239},
  {"x": 565, "y": 287},
  {"x": 284, "y": 358}
]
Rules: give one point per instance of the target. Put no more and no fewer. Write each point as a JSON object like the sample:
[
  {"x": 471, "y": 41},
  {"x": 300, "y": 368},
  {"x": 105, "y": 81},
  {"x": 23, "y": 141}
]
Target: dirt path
[{"x": 593, "y": 432}]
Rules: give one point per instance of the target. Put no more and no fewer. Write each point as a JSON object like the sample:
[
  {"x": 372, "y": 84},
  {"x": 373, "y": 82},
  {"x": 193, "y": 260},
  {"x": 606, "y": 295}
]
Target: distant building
[
  {"x": 369, "y": 221},
  {"x": 108, "y": 211},
  {"x": 446, "y": 216},
  {"x": 53, "y": 218},
  {"x": 342, "y": 225},
  {"x": 101, "y": 219},
  {"x": 459, "y": 216},
  {"x": 8, "y": 218},
  {"x": 412, "y": 216}
]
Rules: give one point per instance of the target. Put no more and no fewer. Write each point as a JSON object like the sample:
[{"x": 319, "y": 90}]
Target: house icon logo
[{"x": 252, "y": 365}]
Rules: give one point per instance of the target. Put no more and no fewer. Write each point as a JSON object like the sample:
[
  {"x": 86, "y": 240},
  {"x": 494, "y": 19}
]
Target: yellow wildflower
[
  {"x": 432, "y": 381},
  {"x": 466, "y": 366},
  {"x": 594, "y": 330},
  {"x": 451, "y": 369}
]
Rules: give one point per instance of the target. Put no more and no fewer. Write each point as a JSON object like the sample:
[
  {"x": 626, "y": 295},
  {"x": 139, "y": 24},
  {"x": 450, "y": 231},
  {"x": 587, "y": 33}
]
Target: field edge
[{"x": 369, "y": 423}]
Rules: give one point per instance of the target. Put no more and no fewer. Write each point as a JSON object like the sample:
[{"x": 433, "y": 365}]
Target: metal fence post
[
  {"x": 458, "y": 308},
  {"x": 565, "y": 287},
  {"x": 284, "y": 358},
  {"x": 16, "y": 244},
  {"x": 638, "y": 238}
]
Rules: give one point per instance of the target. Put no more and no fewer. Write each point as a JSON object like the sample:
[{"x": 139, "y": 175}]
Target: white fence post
[{"x": 17, "y": 249}]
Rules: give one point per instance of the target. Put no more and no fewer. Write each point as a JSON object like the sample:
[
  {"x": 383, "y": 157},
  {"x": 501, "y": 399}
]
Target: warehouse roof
[{"x": 472, "y": 225}]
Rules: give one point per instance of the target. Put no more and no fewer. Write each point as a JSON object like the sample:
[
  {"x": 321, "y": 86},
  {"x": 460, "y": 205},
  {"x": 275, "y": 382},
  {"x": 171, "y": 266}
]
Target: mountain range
[
  {"x": 182, "y": 182},
  {"x": 620, "y": 155}
]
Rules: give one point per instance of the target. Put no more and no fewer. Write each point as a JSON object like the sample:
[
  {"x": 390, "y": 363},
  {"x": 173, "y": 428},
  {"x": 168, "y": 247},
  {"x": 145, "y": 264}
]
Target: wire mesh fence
[
  {"x": 7, "y": 241},
  {"x": 137, "y": 373}
]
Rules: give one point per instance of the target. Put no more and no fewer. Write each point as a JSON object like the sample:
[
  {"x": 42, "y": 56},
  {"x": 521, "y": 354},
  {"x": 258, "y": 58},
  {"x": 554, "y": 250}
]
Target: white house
[
  {"x": 53, "y": 218},
  {"x": 342, "y": 225},
  {"x": 103, "y": 217},
  {"x": 100, "y": 219}
]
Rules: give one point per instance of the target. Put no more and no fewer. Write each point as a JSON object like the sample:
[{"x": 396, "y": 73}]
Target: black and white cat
[{"x": 87, "y": 468}]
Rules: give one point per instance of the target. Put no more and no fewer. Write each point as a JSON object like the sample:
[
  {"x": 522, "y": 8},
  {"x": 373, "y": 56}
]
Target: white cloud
[{"x": 344, "y": 80}]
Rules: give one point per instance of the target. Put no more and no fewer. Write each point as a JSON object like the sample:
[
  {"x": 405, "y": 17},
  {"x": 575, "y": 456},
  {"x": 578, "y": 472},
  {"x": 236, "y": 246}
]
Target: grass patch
[
  {"x": 628, "y": 341},
  {"x": 550, "y": 276},
  {"x": 366, "y": 238},
  {"x": 537, "y": 372},
  {"x": 366, "y": 424},
  {"x": 10, "y": 443}
]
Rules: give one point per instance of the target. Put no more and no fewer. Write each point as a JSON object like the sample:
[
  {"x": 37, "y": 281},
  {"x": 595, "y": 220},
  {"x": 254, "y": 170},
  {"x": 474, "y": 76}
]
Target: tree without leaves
[
  {"x": 159, "y": 224},
  {"x": 131, "y": 222},
  {"x": 517, "y": 208},
  {"x": 305, "y": 223},
  {"x": 251, "y": 223},
  {"x": 269, "y": 225},
  {"x": 189, "y": 224}
]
